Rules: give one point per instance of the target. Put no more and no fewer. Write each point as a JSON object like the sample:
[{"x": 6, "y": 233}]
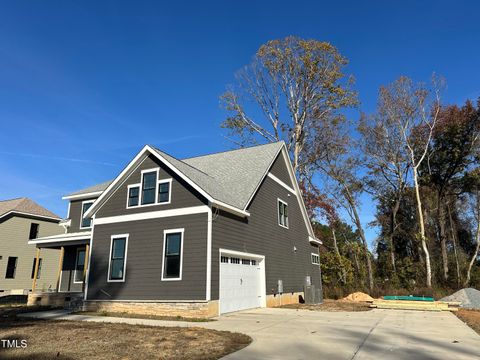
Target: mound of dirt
[
  {"x": 469, "y": 297},
  {"x": 358, "y": 297}
]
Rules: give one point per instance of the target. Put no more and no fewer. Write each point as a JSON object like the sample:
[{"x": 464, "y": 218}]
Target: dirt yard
[
  {"x": 470, "y": 317},
  {"x": 140, "y": 316},
  {"x": 332, "y": 305},
  {"x": 68, "y": 340}
]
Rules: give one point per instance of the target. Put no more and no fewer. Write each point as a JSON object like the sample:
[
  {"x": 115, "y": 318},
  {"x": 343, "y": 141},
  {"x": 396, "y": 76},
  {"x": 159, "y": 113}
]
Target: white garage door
[{"x": 240, "y": 283}]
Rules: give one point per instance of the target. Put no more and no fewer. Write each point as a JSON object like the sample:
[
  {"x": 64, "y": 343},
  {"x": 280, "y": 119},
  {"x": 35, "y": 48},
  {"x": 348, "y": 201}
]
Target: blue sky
[{"x": 85, "y": 84}]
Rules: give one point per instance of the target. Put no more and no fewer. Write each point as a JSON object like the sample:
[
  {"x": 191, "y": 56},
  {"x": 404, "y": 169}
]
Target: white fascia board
[
  {"x": 281, "y": 183},
  {"x": 63, "y": 238},
  {"x": 82, "y": 196},
  {"x": 229, "y": 208},
  {"x": 29, "y": 214},
  {"x": 315, "y": 240}
]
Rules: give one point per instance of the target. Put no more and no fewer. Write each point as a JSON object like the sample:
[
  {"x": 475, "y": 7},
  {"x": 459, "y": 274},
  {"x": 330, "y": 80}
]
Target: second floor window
[
  {"x": 86, "y": 223},
  {"x": 164, "y": 192},
  {"x": 133, "y": 195},
  {"x": 282, "y": 213},
  {"x": 33, "y": 231},
  {"x": 149, "y": 184}
]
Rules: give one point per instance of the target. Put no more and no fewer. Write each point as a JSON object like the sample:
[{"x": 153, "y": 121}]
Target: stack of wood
[{"x": 416, "y": 305}]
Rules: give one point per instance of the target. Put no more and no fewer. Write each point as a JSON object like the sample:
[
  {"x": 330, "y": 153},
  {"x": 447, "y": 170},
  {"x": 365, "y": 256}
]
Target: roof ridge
[
  {"x": 232, "y": 150},
  {"x": 183, "y": 162}
]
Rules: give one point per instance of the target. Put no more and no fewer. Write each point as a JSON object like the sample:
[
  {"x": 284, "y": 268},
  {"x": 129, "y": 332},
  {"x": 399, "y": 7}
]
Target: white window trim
[
  {"x": 139, "y": 185},
  {"x": 118, "y": 236},
  {"x": 157, "y": 184},
  {"x": 82, "y": 213},
  {"x": 173, "y": 231},
  {"x": 278, "y": 213},
  {"x": 164, "y": 181},
  {"x": 143, "y": 172},
  {"x": 76, "y": 263},
  {"x": 317, "y": 257}
]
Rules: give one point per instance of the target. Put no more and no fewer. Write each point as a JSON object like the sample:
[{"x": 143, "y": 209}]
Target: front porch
[{"x": 72, "y": 269}]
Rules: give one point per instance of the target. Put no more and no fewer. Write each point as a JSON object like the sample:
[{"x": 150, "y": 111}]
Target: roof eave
[{"x": 82, "y": 196}]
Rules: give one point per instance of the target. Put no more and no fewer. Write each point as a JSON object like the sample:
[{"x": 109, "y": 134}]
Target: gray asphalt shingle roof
[
  {"x": 24, "y": 205},
  {"x": 230, "y": 176}
]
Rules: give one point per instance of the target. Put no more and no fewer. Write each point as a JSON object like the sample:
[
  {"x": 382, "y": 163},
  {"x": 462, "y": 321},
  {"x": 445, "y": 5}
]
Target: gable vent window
[
  {"x": 85, "y": 223},
  {"x": 282, "y": 213},
  {"x": 315, "y": 259},
  {"x": 133, "y": 195},
  {"x": 149, "y": 185},
  {"x": 33, "y": 231}
]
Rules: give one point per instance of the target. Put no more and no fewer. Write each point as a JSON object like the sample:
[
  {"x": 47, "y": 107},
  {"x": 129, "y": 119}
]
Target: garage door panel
[{"x": 240, "y": 284}]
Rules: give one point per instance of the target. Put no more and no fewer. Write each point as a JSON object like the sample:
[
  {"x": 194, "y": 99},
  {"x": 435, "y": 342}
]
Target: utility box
[{"x": 280, "y": 287}]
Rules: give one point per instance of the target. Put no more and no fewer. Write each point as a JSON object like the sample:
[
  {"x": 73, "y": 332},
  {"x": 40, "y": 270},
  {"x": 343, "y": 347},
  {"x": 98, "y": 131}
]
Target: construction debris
[
  {"x": 358, "y": 297},
  {"x": 415, "y": 305},
  {"x": 468, "y": 298}
]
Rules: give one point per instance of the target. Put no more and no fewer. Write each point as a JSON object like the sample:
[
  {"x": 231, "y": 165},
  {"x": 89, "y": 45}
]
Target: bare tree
[
  {"x": 298, "y": 86},
  {"x": 388, "y": 164},
  {"x": 414, "y": 109}
]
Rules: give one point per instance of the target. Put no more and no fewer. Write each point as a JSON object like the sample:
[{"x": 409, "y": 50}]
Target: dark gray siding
[
  {"x": 182, "y": 194},
  {"x": 75, "y": 215},
  {"x": 261, "y": 234},
  {"x": 279, "y": 169},
  {"x": 144, "y": 260},
  {"x": 68, "y": 268}
]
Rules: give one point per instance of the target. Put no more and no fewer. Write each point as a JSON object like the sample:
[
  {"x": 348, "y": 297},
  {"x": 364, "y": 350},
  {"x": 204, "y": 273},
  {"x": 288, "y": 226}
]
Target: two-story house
[
  {"x": 21, "y": 220},
  {"x": 195, "y": 237}
]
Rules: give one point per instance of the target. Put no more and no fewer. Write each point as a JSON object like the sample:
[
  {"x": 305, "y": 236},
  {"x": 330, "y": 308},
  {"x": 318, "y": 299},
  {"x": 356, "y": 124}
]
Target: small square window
[
  {"x": 315, "y": 259},
  {"x": 133, "y": 195},
  {"x": 164, "y": 192}
]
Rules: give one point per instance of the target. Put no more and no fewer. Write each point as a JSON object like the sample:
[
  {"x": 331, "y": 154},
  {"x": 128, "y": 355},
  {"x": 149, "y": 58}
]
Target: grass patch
[
  {"x": 332, "y": 305},
  {"x": 140, "y": 316},
  {"x": 470, "y": 317},
  {"x": 72, "y": 340}
]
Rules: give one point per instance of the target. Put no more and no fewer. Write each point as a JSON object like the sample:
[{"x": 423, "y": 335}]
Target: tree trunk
[
  {"x": 454, "y": 242},
  {"x": 443, "y": 237},
  {"x": 343, "y": 275},
  {"x": 423, "y": 238},
  {"x": 477, "y": 238},
  {"x": 395, "y": 209}
]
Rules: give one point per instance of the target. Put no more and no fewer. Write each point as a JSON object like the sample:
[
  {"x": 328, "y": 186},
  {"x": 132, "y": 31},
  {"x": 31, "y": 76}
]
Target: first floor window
[
  {"x": 173, "y": 255},
  {"x": 133, "y": 194},
  {"x": 282, "y": 213},
  {"x": 117, "y": 258},
  {"x": 79, "y": 266},
  {"x": 149, "y": 185},
  {"x": 86, "y": 223},
  {"x": 39, "y": 267},
  {"x": 33, "y": 231},
  {"x": 315, "y": 259},
  {"x": 11, "y": 267}
]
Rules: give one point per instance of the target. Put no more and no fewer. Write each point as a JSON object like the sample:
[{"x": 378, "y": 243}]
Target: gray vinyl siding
[
  {"x": 75, "y": 215},
  {"x": 182, "y": 195},
  {"x": 279, "y": 169},
  {"x": 14, "y": 233},
  {"x": 67, "y": 283},
  {"x": 145, "y": 260},
  {"x": 261, "y": 234}
]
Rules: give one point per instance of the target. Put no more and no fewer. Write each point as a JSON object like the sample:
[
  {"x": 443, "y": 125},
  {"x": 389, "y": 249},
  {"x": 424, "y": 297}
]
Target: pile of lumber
[{"x": 416, "y": 305}]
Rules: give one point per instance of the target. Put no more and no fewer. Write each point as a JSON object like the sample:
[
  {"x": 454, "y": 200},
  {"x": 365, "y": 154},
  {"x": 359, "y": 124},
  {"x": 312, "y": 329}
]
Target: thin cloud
[{"x": 48, "y": 157}]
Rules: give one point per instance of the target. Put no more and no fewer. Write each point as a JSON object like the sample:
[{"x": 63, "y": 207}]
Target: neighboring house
[
  {"x": 193, "y": 237},
  {"x": 20, "y": 221}
]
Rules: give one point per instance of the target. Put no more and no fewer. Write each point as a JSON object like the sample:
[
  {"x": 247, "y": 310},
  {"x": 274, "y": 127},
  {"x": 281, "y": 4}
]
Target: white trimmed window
[
  {"x": 118, "y": 258},
  {"x": 149, "y": 186},
  {"x": 315, "y": 259},
  {"x": 282, "y": 213},
  {"x": 133, "y": 195},
  {"x": 150, "y": 191},
  {"x": 86, "y": 223},
  {"x": 172, "y": 254}
]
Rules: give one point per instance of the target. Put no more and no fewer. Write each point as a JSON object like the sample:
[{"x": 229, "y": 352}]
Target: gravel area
[{"x": 469, "y": 297}]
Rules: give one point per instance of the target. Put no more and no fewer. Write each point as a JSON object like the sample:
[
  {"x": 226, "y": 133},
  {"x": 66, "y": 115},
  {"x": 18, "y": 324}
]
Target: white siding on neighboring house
[{"x": 14, "y": 233}]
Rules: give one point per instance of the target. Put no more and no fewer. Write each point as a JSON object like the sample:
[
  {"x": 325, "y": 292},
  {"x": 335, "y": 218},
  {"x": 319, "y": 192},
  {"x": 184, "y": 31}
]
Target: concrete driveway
[
  {"x": 376, "y": 334},
  {"x": 303, "y": 334}
]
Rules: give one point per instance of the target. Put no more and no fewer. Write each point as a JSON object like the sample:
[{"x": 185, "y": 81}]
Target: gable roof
[
  {"x": 25, "y": 206},
  {"x": 229, "y": 179}
]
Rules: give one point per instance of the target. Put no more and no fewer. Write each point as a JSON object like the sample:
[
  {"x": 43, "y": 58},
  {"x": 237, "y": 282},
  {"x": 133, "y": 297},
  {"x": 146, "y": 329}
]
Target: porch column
[
  {"x": 35, "y": 273},
  {"x": 60, "y": 265},
  {"x": 85, "y": 265}
]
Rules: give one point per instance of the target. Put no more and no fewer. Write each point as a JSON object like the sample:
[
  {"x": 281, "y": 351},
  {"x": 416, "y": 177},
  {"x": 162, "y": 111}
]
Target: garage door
[{"x": 240, "y": 283}]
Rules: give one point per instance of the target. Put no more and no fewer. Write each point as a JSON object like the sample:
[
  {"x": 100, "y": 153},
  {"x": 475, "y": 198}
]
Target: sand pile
[
  {"x": 469, "y": 297},
  {"x": 358, "y": 297}
]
